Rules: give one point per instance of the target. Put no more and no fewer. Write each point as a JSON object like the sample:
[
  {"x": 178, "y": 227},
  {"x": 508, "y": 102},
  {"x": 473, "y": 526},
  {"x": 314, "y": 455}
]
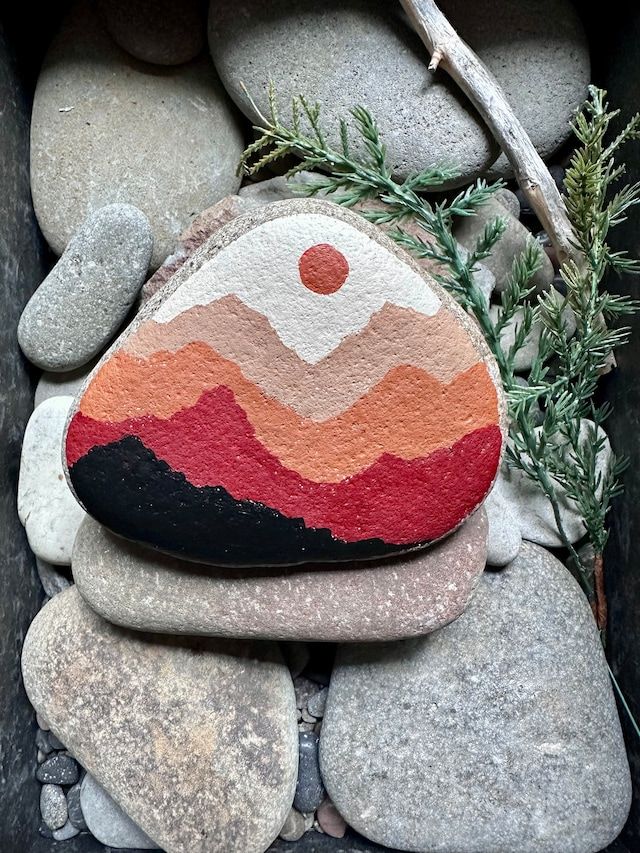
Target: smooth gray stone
[
  {"x": 165, "y": 32},
  {"x": 52, "y": 580},
  {"x": 53, "y": 806},
  {"x": 498, "y": 733},
  {"x": 538, "y": 52},
  {"x": 108, "y": 128},
  {"x": 107, "y": 822},
  {"x": 66, "y": 832},
  {"x": 87, "y": 295},
  {"x": 74, "y": 807},
  {"x": 65, "y": 384}
]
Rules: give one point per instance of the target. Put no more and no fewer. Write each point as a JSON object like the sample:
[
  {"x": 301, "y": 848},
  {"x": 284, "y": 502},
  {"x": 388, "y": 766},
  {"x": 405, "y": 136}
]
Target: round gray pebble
[
  {"x": 42, "y": 742},
  {"x": 309, "y": 790},
  {"x": 317, "y": 703},
  {"x": 58, "y": 769},
  {"x": 53, "y": 806}
]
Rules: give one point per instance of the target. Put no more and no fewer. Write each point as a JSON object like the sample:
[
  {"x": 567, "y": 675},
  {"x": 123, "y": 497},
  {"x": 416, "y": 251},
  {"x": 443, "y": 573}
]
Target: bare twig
[{"x": 450, "y": 52}]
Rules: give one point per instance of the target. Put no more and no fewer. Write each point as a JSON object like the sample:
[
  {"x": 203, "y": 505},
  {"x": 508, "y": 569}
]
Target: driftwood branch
[{"x": 449, "y": 52}]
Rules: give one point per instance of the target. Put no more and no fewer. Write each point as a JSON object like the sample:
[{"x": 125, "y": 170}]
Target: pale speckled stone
[
  {"x": 46, "y": 506},
  {"x": 165, "y": 32},
  {"x": 498, "y": 733},
  {"x": 53, "y": 806},
  {"x": 87, "y": 295},
  {"x": 107, "y": 822},
  {"x": 66, "y": 384},
  {"x": 538, "y": 52},
  {"x": 407, "y": 596},
  {"x": 532, "y": 510},
  {"x": 293, "y": 827},
  {"x": 107, "y": 128},
  {"x": 195, "y": 739},
  {"x": 467, "y": 229}
]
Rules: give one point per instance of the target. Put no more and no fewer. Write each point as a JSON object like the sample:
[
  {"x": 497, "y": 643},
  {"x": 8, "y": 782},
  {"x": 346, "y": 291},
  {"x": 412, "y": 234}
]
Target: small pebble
[
  {"x": 58, "y": 769},
  {"x": 68, "y": 831},
  {"x": 305, "y": 689},
  {"x": 509, "y": 201},
  {"x": 53, "y": 806},
  {"x": 44, "y": 830},
  {"x": 41, "y": 756},
  {"x": 307, "y": 717},
  {"x": 318, "y": 702},
  {"x": 303, "y": 726},
  {"x": 294, "y": 826},
  {"x": 42, "y": 723},
  {"x": 74, "y": 807},
  {"x": 51, "y": 577},
  {"x": 42, "y": 742},
  {"x": 309, "y": 789},
  {"x": 330, "y": 819}
]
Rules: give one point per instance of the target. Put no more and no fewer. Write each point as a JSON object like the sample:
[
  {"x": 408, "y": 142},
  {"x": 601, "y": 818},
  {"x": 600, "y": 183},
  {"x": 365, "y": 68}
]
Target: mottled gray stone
[
  {"x": 195, "y": 739},
  {"x": 58, "y": 769},
  {"x": 53, "y": 806},
  {"x": 498, "y": 733},
  {"x": 46, "y": 506},
  {"x": 406, "y": 596},
  {"x": 509, "y": 201},
  {"x": 86, "y": 296},
  {"x": 74, "y": 807},
  {"x": 165, "y": 32},
  {"x": 538, "y": 53},
  {"x": 107, "y": 128},
  {"x": 65, "y": 384},
  {"x": 107, "y": 822},
  {"x": 467, "y": 229},
  {"x": 52, "y": 580},
  {"x": 309, "y": 789},
  {"x": 22, "y": 267},
  {"x": 318, "y": 702}
]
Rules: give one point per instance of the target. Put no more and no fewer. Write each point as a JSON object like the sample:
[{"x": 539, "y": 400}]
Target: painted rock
[{"x": 300, "y": 391}]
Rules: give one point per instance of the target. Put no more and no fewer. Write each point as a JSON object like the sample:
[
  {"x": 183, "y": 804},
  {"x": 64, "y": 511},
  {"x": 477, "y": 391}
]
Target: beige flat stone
[
  {"x": 382, "y": 600},
  {"x": 196, "y": 740}
]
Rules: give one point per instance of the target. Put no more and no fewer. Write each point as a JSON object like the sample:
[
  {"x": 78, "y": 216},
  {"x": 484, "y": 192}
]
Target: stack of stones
[{"x": 297, "y": 440}]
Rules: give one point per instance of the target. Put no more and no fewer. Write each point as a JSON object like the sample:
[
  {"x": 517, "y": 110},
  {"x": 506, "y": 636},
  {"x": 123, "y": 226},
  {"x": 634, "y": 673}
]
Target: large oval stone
[
  {"x": 108, "y": 128},
  {"x": 497, "y": 733},
  {"x": 300, "y": 391},
  {"x": 389, "y": 599},
  {"x": 344, "y": 53},
  {"x": 196, "y": 740}
]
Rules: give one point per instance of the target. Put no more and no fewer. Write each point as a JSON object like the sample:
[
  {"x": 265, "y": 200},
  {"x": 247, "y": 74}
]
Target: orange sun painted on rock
[{"x": 323, "y": 269}]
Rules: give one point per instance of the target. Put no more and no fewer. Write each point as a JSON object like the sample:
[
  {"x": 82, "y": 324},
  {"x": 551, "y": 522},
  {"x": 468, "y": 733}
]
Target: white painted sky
[{"x": 261, "y": 269}]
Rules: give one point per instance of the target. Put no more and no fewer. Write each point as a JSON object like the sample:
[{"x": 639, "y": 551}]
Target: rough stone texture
[
  {"x": 107, "y": 128},
  {"x": 53, "y": 806},
  {"x": 498, "y": 733},
  {"x": 164, "y": 32},
  {"x": 196, "y": 740},
  {"x": 309, "y": 789},
  {"x": 537, "y": 52},
  {"x": 412, "y": 595},
  {"x": 66, "y": 384},
  {"x": 107, "y": 822},
  {"x": 52, "y": 580},
  {"x": 301, "y": 392},
  {"x": 87, "y": 295},
  {"x": 46, "y": 506},
  {"x": 22, "y": 268},
  {"x": 467, "y": 229},
  {"x": 503, "y": 536},
  {"x": 531, "y": 509}
]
